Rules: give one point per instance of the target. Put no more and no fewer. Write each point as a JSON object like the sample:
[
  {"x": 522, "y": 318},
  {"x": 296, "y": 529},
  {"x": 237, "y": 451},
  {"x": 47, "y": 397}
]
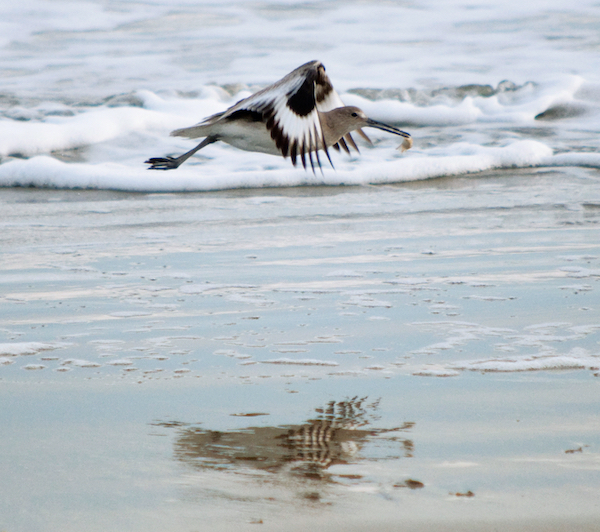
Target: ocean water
[
  {"x": 233, "y": 345},
  {"x": 91, "y": 91}
]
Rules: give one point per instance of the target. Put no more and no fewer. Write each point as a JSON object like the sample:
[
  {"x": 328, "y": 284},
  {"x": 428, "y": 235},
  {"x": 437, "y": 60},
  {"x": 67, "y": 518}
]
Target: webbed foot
[{"x": 163, "y": 163}]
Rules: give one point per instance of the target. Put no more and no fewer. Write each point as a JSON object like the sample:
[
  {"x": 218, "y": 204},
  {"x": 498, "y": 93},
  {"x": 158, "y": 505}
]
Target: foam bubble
[
  {"x": 29, "y": 348},
  {"x": 120, "y": 362},
  {"x": 299, "y": 362},
  {"x": 576, "y": 359},
  {"x": 80, "y": 363},
  {"x": 34, "y": 367}
]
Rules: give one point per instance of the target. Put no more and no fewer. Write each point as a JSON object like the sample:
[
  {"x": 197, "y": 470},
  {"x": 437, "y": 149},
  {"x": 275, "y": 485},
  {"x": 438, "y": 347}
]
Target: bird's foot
[{"x": 163, "y": 163}]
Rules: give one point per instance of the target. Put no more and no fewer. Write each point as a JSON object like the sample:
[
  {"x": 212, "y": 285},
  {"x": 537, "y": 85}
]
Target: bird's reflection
[{"x": 335, "y": 435}]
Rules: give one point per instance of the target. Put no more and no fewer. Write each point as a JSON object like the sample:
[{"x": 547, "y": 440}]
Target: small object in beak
[{"x": 406, "y": 144}]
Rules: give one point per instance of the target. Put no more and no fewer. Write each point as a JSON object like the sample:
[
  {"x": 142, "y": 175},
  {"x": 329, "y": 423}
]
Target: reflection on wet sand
[{"x": 335, "y": 436}]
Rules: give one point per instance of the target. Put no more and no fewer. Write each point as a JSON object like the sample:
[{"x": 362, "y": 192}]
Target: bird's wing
[{"x": 291, "y": 112}]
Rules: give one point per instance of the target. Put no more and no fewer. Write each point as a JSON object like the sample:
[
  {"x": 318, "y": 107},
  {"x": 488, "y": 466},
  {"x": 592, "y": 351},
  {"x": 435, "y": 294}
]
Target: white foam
[
  {"x": 344, "y": 273},
  {"x": 120, "y": 362},
  {"x": 130, "y": 314},
  {"x": 45, "y": 171},
  {"x": 580, "y": 272},
  {"x": 436, "y": 371},
  {"x": 577, "y": 358},
  {"x": 29, "y": 348},
  {"x": 34, "y": 366},
  {"x": 114, "y": 141},
  {"x": 368, "y": 302},
  {"x": 499, "y": 108},
  {"x": 80, "y": 363},
  {"x": 299, "y": 362},
  {"x": 63, "y": 133},
  {"x": 209, "y": 287}
]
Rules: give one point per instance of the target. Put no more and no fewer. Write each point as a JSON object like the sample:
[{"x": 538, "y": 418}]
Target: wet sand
[{"x": 416, "y": 357}]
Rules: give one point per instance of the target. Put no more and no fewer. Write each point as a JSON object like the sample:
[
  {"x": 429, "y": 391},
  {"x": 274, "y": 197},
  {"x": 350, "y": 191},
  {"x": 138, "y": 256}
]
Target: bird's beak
[
  {"x": 385, "y": 127},
  {"x": 406, "y": 143}
]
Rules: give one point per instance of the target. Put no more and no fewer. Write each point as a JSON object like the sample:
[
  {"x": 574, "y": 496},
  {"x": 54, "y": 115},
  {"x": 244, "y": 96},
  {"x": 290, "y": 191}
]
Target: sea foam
[
  {"x": 90, "y": 92},
  {"x": 105, "y": 146}
]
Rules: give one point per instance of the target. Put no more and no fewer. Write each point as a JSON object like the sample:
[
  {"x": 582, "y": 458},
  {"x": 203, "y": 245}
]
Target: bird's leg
[{"x": 170, "y": 163}]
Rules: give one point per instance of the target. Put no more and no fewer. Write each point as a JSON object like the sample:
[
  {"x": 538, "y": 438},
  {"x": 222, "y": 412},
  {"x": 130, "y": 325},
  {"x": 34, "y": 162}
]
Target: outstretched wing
[{"x": 290, "y": 110}]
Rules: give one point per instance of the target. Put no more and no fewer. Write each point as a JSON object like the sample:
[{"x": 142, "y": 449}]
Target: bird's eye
[{"x": 355, "y": 114}]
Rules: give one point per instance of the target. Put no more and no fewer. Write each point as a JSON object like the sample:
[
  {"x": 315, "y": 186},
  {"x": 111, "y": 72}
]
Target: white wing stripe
[{"x": 293, "y": 132}]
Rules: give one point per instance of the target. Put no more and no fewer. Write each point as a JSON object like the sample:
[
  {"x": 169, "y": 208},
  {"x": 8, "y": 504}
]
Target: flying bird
[{"x": 295, "y": 117}]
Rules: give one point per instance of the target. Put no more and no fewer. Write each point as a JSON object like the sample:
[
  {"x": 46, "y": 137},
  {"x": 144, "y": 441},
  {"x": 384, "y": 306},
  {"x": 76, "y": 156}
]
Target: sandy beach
[{"x": 335, "y": 357}]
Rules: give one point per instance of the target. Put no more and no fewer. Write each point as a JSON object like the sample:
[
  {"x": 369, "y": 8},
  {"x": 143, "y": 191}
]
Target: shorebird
[{"x": 296, "y": 117}]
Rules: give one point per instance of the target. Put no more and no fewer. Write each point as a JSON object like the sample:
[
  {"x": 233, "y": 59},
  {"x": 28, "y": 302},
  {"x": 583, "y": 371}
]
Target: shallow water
[{"x": 311, "y": 357}]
